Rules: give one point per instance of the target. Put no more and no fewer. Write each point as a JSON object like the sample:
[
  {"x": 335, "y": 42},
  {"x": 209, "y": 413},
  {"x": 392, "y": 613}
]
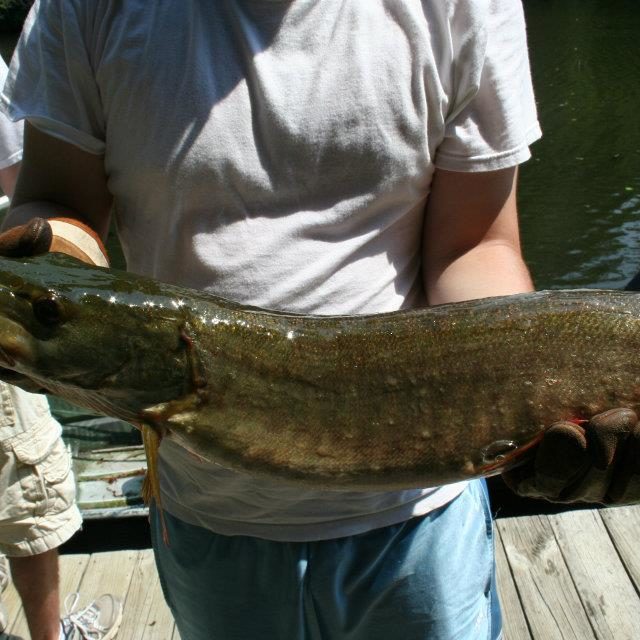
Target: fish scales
[{"x": 403, "y": 399}]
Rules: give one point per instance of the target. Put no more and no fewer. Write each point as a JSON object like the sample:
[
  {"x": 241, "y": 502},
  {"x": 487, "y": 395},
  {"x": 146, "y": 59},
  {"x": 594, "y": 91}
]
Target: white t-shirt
[
  {"x": 10, "y": 132},
  {"x": 279, "y": 153}
]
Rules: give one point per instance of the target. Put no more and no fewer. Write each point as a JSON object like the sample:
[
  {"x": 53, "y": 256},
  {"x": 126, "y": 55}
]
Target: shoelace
[{"x": 85, "y": 621}]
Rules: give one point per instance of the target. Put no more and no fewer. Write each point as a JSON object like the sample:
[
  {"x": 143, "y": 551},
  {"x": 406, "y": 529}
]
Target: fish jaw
[
  {"x": 15, "y": 345},
  {"x": 18, "y": 341},
  {"x": 86, "y": 349}
]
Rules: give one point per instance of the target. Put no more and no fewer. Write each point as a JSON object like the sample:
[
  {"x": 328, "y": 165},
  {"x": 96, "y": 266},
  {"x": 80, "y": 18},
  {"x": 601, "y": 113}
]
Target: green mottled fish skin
[{"x": 403, "y": 399}]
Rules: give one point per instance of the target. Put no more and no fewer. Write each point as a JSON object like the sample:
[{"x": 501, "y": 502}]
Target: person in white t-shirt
[
  {"x": 315, "y": 156},
  {"x": 38, "y": 512}
]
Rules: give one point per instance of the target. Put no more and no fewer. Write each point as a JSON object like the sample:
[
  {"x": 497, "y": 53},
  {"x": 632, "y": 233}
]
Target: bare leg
[{"x": 38, "y": 583}]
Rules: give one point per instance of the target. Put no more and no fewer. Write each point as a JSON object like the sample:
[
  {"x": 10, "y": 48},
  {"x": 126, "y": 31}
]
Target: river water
[{"x": 580, "y": 193}]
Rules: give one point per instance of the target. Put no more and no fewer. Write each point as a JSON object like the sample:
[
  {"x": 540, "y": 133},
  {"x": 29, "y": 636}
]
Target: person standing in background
[{"x": 37, "y": 490}]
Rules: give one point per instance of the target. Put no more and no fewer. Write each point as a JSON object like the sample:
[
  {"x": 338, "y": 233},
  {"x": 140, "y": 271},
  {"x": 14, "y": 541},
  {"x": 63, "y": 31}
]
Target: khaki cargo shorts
[{"x": 37, "y": 488}]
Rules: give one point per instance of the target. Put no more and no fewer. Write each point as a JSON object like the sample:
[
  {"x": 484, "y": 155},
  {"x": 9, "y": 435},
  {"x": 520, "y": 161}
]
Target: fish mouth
[{"x": 15, "y": 344}]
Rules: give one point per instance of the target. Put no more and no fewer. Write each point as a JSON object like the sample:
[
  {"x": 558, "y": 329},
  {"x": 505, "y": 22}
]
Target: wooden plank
[
  {"x": 71, "y": 571},
  {"x": 130, "y": 575},
  {"x": 15, "y": 614},
  {"x": 72, "y": 568},
  {"x": 608, "y": 596},
  {"x": 514, "y": 623},
  {"x": 549, "y": 598},
  {"x": 146, "y": 614},
  {"x": 623, "y": 524},
  {"x": 109, "y": 572}
]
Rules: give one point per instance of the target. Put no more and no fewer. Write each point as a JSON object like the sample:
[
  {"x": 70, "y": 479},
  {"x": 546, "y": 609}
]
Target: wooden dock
[
  {"x": 574, "y": 575},
  {"x": 571, "y": 576}
]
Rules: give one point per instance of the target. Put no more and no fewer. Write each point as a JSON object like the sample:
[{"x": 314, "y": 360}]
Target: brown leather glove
[
  {"x": 30, "y": 239},
  {"x": 598, "y": 461}
]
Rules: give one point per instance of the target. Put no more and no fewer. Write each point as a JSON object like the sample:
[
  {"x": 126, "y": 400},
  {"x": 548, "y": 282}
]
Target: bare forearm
[
  {"x": 490, "y": 269},
  {"x": 59, "y": 180},
  {"x": 471, "y": 244}
]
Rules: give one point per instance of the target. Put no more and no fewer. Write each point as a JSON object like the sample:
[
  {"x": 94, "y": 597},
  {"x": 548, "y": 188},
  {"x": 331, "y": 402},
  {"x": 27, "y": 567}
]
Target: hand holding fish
[
  {"x": 597, "y": 461},
  {"x": 61, "y": 235}
]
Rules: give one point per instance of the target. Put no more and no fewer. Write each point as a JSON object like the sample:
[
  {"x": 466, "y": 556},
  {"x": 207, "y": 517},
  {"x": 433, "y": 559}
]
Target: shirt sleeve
[
  {"x": 51, "y": 81},
  {"x": 492, "y": 119},
  {"x": 10, "y": 132}
]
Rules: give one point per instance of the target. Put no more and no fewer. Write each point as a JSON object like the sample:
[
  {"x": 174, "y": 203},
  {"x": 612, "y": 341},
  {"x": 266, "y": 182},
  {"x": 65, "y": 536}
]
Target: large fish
[{"x": 403, "y": 399}]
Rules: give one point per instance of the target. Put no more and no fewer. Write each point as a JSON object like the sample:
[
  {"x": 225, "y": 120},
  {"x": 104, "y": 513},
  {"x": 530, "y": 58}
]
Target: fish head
[{"x": 99, "y": 338}]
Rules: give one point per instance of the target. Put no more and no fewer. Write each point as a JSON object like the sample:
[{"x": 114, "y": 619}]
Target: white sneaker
[
  {"x": 99, "y": 620},
  {"x": 4, "y": 581}
]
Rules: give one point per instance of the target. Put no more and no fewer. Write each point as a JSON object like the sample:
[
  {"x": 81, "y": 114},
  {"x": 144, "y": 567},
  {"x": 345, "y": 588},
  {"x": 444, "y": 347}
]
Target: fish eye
[
  {"x": 48, "y": 310},
  {"x": 497, "y": 451}
]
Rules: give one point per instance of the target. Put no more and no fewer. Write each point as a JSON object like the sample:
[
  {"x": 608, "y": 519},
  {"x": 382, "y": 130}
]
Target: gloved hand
[
  {"x": 598, "y": 461},
  {"x": 29, "y": 239},
  {"x": 63, "y": 235}
]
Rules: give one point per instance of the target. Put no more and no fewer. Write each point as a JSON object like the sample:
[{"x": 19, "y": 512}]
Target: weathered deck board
[
  {"x": 16, "y": 628},
  {"x": 572, "y": 576},
  {"x": 147, "y": 615},
  {"x": 576, "y": 574},
  {"x": 549, "y": 598},
  {"x": 623, "y": 525},
  {"x": 609, "y": 598},
  {"x": 513, "y": 616},
  {"x": 130, "y": 575}
]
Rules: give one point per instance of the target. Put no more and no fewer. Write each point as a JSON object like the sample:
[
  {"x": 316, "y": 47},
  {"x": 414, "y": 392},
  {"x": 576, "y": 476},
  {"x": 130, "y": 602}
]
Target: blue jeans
[{"x": 430, "y": 578}]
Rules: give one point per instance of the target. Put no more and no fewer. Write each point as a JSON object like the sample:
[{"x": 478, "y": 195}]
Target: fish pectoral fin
[
  {"x": 151, "y": 484},
  {"x": 156, "y": 421},
  {"x": 175, "y": 411}
]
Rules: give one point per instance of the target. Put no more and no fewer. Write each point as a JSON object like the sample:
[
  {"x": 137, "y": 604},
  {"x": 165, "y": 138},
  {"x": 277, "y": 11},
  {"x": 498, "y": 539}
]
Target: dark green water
[{"x": 580, "y": 194}]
